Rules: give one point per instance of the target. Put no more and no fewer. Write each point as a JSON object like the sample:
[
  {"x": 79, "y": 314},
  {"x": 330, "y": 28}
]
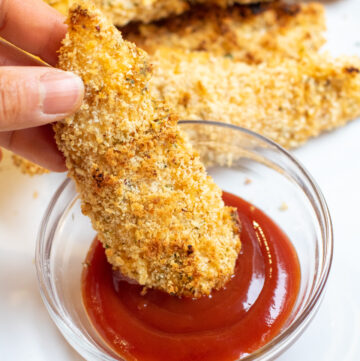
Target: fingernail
[{"x": 62, "y": 92}]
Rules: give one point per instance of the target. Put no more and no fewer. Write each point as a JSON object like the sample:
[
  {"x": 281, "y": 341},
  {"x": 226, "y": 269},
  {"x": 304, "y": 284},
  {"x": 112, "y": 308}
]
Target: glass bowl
[{"x": 241, "y": 162}]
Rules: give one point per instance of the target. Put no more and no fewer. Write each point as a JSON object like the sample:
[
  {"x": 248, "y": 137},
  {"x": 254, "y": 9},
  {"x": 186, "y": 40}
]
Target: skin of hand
[{"x": 32, "y": 94}]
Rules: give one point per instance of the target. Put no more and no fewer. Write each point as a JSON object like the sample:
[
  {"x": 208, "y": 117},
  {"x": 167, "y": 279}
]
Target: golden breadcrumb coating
[
  {"x": 289, "y": 102},
  {"x": 159, "y": 216},
  {"x": 252, "y": 34},
  {"x": 27, "y": 167},
  {"x": 121, "y": 12}
]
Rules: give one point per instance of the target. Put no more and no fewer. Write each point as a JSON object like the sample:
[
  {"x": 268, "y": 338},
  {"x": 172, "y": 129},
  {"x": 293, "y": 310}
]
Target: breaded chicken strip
[
  {"x": 157, "y": 213},
  {"x": 253, "y": 34},
  {"x": 289, "y": 102},
  {"x": 122, "y": 12},
  {"x": 27, "y": 167}
]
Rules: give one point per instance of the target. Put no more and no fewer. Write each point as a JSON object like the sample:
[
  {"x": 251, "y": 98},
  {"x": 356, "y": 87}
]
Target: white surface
[{"x": 26, "y": 331}]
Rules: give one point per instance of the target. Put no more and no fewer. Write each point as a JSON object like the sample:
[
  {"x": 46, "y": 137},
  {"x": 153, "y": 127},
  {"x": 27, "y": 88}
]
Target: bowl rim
[{"x": 267, "y": 352}]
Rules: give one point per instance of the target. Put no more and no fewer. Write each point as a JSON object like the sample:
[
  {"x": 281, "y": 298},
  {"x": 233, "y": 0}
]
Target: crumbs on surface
[{"x": 283, "y": 206}]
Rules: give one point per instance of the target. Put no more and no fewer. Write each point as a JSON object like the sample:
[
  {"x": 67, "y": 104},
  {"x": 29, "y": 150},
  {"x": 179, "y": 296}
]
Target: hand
[{"x": 33, "y": 95}]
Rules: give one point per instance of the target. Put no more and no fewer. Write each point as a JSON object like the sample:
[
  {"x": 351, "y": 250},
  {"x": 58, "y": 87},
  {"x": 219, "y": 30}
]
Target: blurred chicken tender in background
[
  {"x": 288, "y": 102},
  {"x": 254, "y": 34},
  {"x": 121, "y": 12},
  {"x": 257, "y": 67}
]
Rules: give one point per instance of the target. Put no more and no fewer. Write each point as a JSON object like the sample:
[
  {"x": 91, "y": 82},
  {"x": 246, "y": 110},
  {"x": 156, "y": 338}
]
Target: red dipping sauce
[{"x": 227, "y": 325}]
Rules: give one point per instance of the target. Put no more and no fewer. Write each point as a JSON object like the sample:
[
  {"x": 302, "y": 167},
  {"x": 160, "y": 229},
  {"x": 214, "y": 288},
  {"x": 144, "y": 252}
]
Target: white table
[{"x": 26, "y": 330}]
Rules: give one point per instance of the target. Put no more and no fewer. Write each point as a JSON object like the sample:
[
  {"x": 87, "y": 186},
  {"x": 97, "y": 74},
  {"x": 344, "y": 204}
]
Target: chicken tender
[
  {"x": 288, "y": 102},
  {"x": 159, "y": 215},
  {"x": 253, "y": 34},
  {"x": 27, "y": 167},
  {"x": 122, "y": 12}
]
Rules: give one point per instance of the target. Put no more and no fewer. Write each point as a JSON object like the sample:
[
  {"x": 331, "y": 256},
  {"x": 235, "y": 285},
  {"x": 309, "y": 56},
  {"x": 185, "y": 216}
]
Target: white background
[{"x": 26, "y": 330}]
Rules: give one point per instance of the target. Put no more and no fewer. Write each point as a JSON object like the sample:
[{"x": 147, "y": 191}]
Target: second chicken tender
[
  {"x": 253, "y": 34},
  {"x": 159, "y": 216},
  {"x": 287, "y": 102},
  {"x": 27, "y": 167},
  {"x": 121, "y": 12}
]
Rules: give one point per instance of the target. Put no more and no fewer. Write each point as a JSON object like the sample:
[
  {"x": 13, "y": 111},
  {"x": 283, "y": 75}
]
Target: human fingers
[
  {"x": 34, "y": 96},
  {"x": 35, "y": 144},
  {"x": 33, "y": 26}
]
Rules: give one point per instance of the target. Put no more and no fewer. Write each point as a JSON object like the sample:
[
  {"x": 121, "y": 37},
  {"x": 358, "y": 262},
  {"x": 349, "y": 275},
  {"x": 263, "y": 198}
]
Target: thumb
[{"x": 33, "y": 96}]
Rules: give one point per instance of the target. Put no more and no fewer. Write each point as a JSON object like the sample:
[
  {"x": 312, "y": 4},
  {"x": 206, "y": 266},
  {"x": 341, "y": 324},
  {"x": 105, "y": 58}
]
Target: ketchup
[{"x": 227, "y": 325}]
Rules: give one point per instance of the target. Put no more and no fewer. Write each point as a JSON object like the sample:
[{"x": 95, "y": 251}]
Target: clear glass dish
[{"x": 241, "y": 162}]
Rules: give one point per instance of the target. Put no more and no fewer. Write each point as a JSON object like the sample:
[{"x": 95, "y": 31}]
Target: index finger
[{"x": 33, "y": 26}]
